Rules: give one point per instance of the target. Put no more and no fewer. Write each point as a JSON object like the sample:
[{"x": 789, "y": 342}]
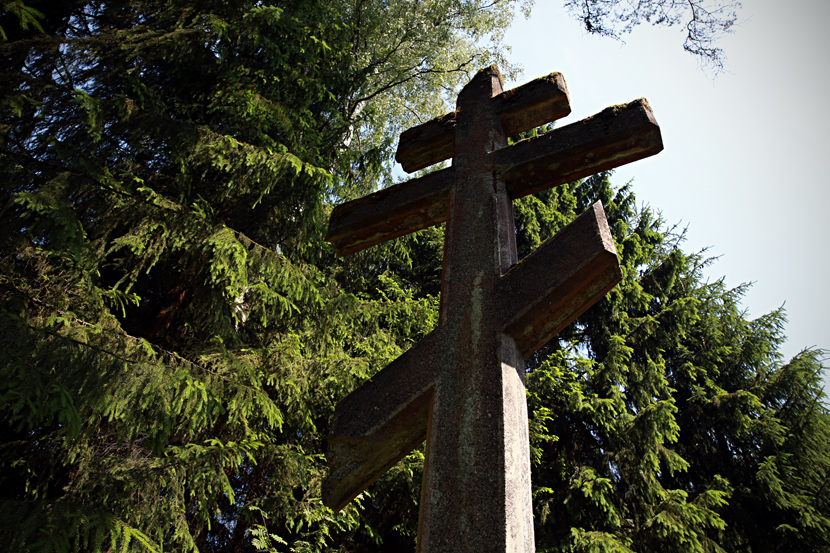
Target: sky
[{"x": 745, "y": 151}]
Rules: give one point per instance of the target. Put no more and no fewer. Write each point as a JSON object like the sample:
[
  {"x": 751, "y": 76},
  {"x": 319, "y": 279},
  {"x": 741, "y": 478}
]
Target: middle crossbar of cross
[{"x": 462, "y": 387}]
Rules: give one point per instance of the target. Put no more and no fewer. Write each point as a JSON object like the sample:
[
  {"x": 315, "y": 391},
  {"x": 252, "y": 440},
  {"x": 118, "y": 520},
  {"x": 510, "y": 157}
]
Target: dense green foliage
[
  {"x": 175, "y": 333},
  {"x": 663, "y": 419}
]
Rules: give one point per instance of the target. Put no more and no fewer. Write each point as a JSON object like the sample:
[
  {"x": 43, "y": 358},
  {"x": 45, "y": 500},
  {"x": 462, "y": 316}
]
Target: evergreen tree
[
  {"x": 663, "y": 419},
  {"x": 174, "y": 336}
]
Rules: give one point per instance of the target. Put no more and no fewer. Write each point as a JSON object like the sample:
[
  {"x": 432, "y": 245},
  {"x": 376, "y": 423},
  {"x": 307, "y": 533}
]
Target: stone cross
[{"x": 462, "y": 387}]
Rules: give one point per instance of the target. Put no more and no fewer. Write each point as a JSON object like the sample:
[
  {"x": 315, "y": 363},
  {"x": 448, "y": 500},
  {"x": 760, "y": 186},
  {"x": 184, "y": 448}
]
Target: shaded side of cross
[{"x": 462, "y": 387}]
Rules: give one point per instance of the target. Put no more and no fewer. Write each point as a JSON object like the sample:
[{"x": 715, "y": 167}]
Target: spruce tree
[
  {"x": 175, "y": 331},
  {"x": 663, "y": 419}
]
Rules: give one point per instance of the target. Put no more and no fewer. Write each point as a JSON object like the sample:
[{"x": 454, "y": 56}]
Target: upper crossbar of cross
[
  {"x": 462, "y": 386},
  {"x": 614, "y": 137}
]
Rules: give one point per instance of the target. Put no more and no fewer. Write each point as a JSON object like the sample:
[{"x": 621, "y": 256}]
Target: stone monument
[{"x": 462, "y": 387}]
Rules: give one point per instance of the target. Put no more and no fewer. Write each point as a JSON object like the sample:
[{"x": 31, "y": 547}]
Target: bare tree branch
[{"x": 706, "y": 21}]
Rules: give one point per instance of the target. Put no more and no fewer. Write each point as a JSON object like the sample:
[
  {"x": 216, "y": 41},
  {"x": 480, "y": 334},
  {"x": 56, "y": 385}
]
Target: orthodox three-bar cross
[{"x": 462, "y": 387}]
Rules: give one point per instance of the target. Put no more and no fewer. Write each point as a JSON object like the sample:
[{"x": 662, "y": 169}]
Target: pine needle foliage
[
  {"x": 174, "y": 331},
  {"x": 663, "y": 419}
]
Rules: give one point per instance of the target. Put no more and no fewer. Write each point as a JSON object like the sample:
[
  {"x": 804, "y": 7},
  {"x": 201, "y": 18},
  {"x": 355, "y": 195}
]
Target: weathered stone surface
[
  {"x": 473, "y": 464},
  {"x": 462, "y": 387},
  {"x": 379, "y": 423},
  {"x": 520, "y": 109},
  {"x": 541, "y": 101},
  {"x": 386, "y": 417},
  {"x": 427, "y": 144},
  {"x": 556, "y": 283},
  {"x": 391, "y": 212},
  {"x": 609, "y": 139}
]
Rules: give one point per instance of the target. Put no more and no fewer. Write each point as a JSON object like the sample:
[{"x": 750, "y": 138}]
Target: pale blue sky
[{"x": 745, "y": 152}]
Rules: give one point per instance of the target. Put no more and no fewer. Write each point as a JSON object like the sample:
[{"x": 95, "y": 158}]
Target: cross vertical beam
[{"x": 478, "y": 465}]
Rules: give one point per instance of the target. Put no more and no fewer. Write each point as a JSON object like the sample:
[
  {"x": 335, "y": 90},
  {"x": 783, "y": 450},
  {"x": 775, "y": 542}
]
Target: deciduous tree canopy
[{"x": 175, "y": 332}]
